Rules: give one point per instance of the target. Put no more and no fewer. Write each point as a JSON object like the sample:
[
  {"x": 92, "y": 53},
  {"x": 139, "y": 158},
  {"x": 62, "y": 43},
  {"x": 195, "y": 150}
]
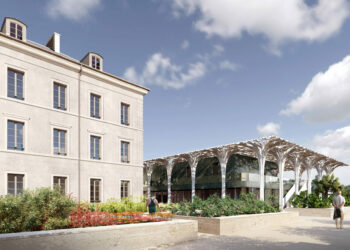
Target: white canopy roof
[{"x": 271, "y": 146}]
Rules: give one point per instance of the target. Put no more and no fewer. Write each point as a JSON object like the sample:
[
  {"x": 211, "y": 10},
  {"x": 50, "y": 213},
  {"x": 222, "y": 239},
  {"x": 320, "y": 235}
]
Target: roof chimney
[{"x": 54, "y": 43}]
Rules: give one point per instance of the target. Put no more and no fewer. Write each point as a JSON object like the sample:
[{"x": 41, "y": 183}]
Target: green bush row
[
  {"x": 42, "y": 209},
  {"x": 215, "y": 206}
]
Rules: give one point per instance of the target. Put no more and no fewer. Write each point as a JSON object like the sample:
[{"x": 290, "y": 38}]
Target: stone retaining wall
[
  {"x": 231, "y": 224},
  {"x": 105, "y": 237}
]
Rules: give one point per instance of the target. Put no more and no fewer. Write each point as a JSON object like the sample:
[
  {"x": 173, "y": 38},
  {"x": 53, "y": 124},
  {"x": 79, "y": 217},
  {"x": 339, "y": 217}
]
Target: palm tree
[{"x": 327, "y": 184}]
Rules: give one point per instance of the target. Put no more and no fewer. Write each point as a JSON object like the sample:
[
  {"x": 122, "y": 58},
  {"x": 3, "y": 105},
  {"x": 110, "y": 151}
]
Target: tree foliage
[
  {"x": 327, "y": 184},
  {"x": 303, "y": 200}
]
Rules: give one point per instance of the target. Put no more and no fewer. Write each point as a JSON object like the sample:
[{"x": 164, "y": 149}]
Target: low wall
[
  {"x": 232, "y": 224},
  {"x": 318, "y": 212},
  {"x": 130, "y": 236}
]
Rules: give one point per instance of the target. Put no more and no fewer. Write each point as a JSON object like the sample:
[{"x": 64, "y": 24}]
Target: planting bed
[
  {"x": 318, "y": 212},
  {"x": 231, "y": 224},
  {"x": 129, "y": 236}
]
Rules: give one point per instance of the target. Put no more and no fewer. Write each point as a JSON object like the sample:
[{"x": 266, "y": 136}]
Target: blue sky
[{"x": 218, "y": 72}]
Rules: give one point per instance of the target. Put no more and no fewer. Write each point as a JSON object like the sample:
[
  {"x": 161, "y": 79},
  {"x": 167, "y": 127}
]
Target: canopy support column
[
  {"x": 281, "y": 161},
  {"x": 308, "y": 163},
  {"x": 193, "y": 161},
  {"x": 329, "y": 170},
  {"x": 169, "y": 169},
  {"x": 262, "y": 160},
  {"x": 297, "y": 164},
  {"x": 319, "y": 172},
  {"x": 260, "y": 148},
  {"x": 149, "y": 170},
  {"x": 281, "y": 154},
  {"x": 223, "y": 155}
]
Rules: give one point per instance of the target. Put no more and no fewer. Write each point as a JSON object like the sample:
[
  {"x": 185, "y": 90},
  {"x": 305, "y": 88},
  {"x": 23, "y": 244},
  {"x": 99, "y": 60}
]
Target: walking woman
[{"x": 152, "y": 203}]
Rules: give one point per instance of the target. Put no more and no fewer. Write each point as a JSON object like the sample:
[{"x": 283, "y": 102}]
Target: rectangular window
[
  {"x": 124, "y": 153},
  {"x": 13, "y": 30},
  {"x": 124, "y": 114},
  {"x": 15, "y": 135},
  {"x": 16, "y": 31},
  {"x": 61, "y": 183},
  {"x": 19, "y": 32},
  {"x": 124, "y": 189},
  {"x": 95, "y": 187},
  {"x": 98, "y": 63},
  {"x": 95, "y": 62},
  {"x": 95, "y": 106},
  {"x": 95, "y": 147},
  {"x": 59, "y": 142},
  {"x": 15, "y": 183},
  {"x": 15, "y": 84},
  {"x": 59, "y": 96}
]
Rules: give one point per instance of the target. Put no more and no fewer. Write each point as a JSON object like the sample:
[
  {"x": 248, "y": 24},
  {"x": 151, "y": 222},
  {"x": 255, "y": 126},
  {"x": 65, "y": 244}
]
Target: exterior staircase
[{"x": 290, "y": 193}]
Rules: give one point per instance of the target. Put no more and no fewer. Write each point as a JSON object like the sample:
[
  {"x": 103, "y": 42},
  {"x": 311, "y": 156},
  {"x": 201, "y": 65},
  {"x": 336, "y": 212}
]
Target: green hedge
[
  {"x": 42, "y": 209},
  {"x": 215, "y": 206}
]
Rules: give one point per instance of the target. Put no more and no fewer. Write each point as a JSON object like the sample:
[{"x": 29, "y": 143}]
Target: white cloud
[
  {"x": 218, "y": 50},
  {"x": 185, "y": 45},
  {"x": 336, "y": 144},
  {"x": 326, "y": 98},
  {"x": 72, "y": 9},
  {"x": 227, "y": 65},
  {"x": 278, "y": 21},
  {"x": 269, "y": 128},
  {"x": 160, "y": 71}
]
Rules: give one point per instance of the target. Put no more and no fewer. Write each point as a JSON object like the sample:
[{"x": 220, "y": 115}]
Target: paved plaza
[{"x": 308, "y": 233}]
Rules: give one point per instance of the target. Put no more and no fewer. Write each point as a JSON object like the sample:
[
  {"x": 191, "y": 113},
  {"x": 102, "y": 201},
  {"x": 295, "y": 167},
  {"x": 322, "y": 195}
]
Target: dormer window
[
  {"x": 96, "y": 62},
  {"x": 14, "y": 28},
  {"x": 93, "y": 60},
  {"x": 16, "y": 31}
]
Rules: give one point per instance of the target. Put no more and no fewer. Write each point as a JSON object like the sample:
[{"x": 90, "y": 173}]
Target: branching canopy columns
[{"x": 287, "y": 155}]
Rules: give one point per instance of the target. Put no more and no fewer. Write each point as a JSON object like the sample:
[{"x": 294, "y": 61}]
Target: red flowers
[{"x": 83, "y": 218}]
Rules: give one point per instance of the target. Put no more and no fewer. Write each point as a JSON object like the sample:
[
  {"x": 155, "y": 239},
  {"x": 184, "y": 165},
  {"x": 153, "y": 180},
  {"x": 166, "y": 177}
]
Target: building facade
[{"x": 66, "y": 122}]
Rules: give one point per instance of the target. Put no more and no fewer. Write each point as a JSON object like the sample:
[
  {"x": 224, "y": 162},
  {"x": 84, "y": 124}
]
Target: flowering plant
[{"x": 82, "y": 217}]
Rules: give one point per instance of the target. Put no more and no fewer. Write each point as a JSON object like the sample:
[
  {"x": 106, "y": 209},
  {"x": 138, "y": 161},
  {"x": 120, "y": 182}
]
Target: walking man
[{"x": 338, "y": 204}]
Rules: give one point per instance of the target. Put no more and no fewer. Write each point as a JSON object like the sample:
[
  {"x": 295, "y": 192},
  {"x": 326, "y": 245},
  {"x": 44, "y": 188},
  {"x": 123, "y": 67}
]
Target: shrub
[
  {"x": 273, "y": 201},
  {"x": 311, "y": 201},
  {"x": 57, "y": 223},
  {"x": 121, "y": 205},
  {"x": 215, "y": 206},
  {"x": 31, "y": 210}
]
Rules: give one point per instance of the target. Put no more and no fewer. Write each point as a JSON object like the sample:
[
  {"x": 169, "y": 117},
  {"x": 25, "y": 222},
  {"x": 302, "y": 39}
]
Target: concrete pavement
[{"x": 307, "y": 233}]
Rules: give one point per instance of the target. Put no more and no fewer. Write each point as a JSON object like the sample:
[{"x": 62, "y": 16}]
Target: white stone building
[{"x": 66, "y": 122}]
